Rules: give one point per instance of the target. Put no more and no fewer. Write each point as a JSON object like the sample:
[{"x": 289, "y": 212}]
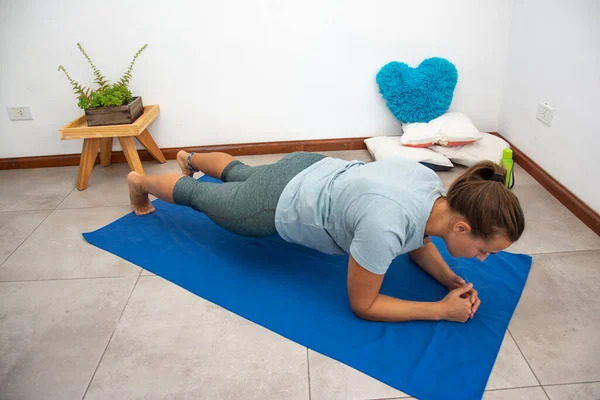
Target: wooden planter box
[{"x": 118, "y": 115}]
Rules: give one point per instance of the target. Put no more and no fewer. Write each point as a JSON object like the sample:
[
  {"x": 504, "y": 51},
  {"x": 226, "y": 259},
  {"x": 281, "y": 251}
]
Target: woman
[{"x": 372, "y": 212}]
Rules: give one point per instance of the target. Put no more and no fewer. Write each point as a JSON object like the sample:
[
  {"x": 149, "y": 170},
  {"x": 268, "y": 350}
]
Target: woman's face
[{"x": 462, "y": 243}]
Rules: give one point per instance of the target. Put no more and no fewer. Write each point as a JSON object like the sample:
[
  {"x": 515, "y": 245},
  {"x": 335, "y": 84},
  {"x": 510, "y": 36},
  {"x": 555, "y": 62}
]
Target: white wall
[
  {"x": 243, "y": 71},
  {"x": 554, "y": 57}
]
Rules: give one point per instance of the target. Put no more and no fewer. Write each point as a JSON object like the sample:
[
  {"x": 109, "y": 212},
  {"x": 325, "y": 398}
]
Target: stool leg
[
  {"x": 105, "y": 151},
  {"x": 148, "y": 142},
  {"x": 86, "y": 163},
  {"x": 131, "y": 154}
]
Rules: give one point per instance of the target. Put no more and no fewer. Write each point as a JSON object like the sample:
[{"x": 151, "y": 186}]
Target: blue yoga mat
[{"x": 301, "y": 294}]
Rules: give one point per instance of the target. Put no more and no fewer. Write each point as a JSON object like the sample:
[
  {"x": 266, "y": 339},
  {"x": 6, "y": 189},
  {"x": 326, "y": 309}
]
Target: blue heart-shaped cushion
[{"x": 418, "y": 94}]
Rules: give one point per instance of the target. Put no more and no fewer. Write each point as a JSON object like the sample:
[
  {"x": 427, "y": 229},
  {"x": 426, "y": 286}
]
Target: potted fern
[{"x": 108, "y": 104}]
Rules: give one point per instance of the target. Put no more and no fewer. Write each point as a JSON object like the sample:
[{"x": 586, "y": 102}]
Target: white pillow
[
  {"x": 450, "y": 129},
  {"x": 490, "y": 147},
  {"x": 382, "y": 147}
]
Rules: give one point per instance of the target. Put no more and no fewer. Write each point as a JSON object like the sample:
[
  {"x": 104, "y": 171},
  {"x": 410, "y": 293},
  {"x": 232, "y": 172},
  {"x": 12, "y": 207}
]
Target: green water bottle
[{"x": 508, "y": 164}]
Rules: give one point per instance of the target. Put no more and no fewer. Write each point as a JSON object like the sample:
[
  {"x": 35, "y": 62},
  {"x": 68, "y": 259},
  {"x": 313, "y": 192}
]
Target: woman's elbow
[
  {"x": 415, "y": 256},
  {"x": 361, "y": 311}
]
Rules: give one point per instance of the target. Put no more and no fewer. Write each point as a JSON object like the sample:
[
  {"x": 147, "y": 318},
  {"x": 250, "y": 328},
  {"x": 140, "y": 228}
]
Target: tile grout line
[
  {"x": 69, "y": 279},
  {"x": 36, "y": 228},
  {"x": 507, "y": 388},
  {"x": 546, "y": 393},
  {"x": 308, "y": 370},
  {"x": 570, "y": 383},
  {"x": 515, "y": 387},
  {"x": 26, "y": 211},
  {"x": 63, "y": 200},
  {"x": 99, "y": 361},
  {"x": 85, "y": 208},
  {"x": 24, "y": 240},
  {"x": 527, "y": 361},
  {"x": 65, "y": 208},
  {"x": 560, "y": 252},
  {"x": 40, "y": 224},
  {"x": 111, "y": 336}
]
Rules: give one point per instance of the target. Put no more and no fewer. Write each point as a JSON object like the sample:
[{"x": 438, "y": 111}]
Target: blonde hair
[{"x": 481, "y": 197}]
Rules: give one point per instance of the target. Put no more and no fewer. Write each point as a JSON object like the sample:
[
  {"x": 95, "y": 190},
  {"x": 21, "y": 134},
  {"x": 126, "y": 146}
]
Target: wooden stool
[{"x": 101, "y": 137}]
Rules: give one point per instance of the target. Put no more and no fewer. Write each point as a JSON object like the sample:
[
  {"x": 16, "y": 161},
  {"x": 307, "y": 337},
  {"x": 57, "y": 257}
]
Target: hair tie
[
  {"x": 189, "y": 163},
  {"x": 498, "y": 178}
]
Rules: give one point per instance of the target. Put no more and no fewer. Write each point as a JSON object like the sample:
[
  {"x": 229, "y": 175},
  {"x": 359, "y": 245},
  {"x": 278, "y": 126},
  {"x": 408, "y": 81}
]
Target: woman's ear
[{"x": 461, "y": 227}]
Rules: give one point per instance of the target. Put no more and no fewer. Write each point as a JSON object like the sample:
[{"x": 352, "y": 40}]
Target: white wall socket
[
  {"x": 545, "y": 113},
  {"x": 19, "y": 113}
]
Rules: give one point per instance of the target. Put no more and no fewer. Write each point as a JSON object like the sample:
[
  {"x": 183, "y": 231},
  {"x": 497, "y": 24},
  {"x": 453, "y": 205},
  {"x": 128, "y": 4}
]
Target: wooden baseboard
[
  {"x": 243, "y": 149},
  {"x": 581, "y": 210},
  {"x": 584, "y": 212}
]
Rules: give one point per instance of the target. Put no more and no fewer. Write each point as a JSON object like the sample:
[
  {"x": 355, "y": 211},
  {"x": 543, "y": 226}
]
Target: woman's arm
[
  {"x": 367, "y": 303},
  {"x": 430, "y": 260}
]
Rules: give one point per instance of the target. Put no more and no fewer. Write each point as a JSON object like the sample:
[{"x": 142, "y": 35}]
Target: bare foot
[
  {"x": 182, "y": 159},
  {"x": 140, "y": 203}
]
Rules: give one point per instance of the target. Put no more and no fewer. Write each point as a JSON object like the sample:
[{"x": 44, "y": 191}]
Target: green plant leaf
[
  {"x": 99, "y": 77},
  {"x": 107, "y": 95}
]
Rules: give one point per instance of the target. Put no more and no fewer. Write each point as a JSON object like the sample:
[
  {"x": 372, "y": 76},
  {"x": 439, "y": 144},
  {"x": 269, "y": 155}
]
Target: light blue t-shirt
[{"x": 374, "y": 211}]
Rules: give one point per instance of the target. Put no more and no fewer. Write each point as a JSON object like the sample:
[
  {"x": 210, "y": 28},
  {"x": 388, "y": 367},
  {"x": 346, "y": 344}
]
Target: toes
[{"x": 143, "y": 210}]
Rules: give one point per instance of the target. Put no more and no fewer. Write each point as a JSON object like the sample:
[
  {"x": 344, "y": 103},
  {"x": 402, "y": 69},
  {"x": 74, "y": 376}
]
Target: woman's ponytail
[{"x": 480, "y": 195}]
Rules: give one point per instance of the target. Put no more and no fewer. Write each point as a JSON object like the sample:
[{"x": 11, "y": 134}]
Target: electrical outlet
[
  {"x": 19, "y": 113},
  {"x": 545, "y": 113}
]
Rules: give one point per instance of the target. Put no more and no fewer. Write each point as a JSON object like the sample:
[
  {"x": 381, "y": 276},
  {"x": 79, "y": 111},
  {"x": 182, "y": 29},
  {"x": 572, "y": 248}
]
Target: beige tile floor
[{"x": 77, "y": 322}]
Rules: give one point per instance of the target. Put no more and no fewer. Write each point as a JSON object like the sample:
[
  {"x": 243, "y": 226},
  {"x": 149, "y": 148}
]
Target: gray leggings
[{"x": 245, "y": 204}]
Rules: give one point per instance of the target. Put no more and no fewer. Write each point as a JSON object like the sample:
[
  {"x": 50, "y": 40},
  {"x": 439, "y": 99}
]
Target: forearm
[
  {"x": 390, "y": 309},
  {"x": 430, "y": 260}
]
